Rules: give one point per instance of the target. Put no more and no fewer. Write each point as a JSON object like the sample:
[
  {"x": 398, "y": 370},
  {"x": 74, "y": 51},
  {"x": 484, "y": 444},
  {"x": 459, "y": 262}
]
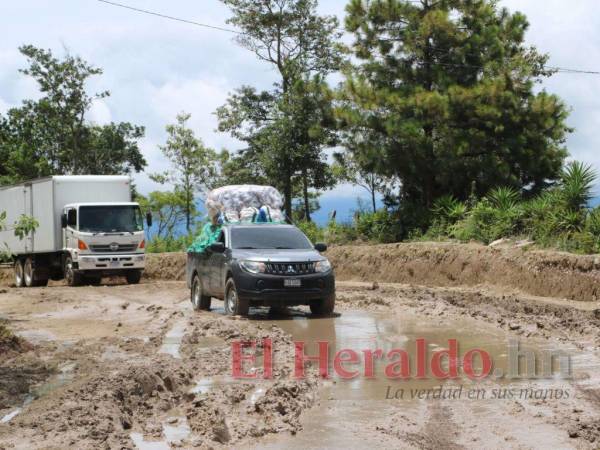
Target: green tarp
[{"x": 209, "y": 235}]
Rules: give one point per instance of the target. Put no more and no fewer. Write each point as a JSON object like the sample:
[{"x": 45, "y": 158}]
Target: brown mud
[{"x": 120, "y": 366}]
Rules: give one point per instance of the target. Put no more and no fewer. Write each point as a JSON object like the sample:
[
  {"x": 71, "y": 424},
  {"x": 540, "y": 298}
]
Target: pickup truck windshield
[
  {"x": 110, "y": 219},
  {"x": 269, "y": 238}
]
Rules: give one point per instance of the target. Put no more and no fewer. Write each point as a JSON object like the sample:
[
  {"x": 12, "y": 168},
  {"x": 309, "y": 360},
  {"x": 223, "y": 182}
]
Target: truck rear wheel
[
  {"x": 200, "y": 301},
  {"x": 30, "y": 275},
  {"x": 234, "y": 305},
  {"x": 73, "y": 277},
  {"x": 133, "y": 276},
  {"x": 19, "y": 278},
  {"x": 323, "y": 307}
]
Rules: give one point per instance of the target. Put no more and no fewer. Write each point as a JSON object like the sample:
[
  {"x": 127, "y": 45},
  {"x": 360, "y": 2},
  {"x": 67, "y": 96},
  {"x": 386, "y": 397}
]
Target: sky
[{"x": 156, "y": 68}]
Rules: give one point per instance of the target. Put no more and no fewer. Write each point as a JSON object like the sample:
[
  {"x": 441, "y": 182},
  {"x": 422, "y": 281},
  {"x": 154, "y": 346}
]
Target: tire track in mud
[
  {"x": 123, "y": 384},
  {"x": 125, "y": 388}
]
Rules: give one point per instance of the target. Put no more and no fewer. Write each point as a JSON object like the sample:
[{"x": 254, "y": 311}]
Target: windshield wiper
[
  {"x": 283, "y": 248},
  {"x": 246, "y": 248}
]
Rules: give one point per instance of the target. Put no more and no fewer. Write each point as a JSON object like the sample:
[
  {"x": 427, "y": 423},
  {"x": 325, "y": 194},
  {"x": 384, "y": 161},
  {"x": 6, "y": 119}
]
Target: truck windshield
[
  {"x": 110, "y": 219},
  {"x": 269, "y": 238}
]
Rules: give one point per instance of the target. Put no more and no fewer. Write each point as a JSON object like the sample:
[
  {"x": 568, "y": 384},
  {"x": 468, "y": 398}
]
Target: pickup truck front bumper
[
  {"x": 270, "y": 290},
  {"x": 108, "y": 263}
]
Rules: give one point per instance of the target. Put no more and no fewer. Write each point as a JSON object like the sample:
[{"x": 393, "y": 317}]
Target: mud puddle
[
  {"x": 348, "y": 407},
  {"x": 64, "y": 376},
  {"x": 175, "y": 430}
]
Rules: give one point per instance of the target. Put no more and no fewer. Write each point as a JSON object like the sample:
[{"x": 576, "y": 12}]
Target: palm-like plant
[
  {"x": 593, "y": 222},
  {"x": 449, "y": 209},
  {"x": 504, "y": 198},
  {"x": 577, "y": 184}
]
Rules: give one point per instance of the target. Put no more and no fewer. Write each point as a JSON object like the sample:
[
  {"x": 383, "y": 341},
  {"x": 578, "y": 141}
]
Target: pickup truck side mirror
[
  {"x": 63, "y": 221},
  {"x": 320, "y": 247},
  {"x": 149, "y": 219},
  {"x": 217, "y": 247}
]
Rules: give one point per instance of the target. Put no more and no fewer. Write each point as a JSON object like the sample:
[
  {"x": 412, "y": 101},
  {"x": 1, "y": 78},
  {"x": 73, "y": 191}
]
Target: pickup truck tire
[
  {"x": 234, "y": 305},
  {"x": 133, "y": 276},
  {"x": 323, "y": 307},
  {"x": 19, "y": 278},
  {"x": 30, "y": 275},
  {"x": 200, "y": 301},
  {"x": 72, "y": 277}
]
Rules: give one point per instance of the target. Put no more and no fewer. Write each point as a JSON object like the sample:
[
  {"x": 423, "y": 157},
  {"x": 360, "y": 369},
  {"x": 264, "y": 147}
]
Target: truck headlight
[
  {"x": 253, "y": 266},
  {"x": 323, "y": 266}
]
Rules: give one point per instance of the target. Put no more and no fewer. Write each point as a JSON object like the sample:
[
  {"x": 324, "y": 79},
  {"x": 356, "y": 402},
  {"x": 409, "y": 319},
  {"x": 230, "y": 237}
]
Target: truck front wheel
[
  {"x": 73, "y": 277},
  {"x": 234, "y": 305},
  {"x": 133, "y": 276},
  {"x": 323, "y": 307},
  {"x": 19, "y": 278}
]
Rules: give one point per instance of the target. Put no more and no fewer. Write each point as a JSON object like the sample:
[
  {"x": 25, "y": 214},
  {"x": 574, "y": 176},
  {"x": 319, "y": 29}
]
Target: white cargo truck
[{"x": 88, "y": 228}]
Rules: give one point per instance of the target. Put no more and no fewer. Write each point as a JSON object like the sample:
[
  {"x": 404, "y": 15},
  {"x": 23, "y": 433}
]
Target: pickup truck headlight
[
  {"x": 323, "y": 266},
  {"x": 253, "y": 266}
]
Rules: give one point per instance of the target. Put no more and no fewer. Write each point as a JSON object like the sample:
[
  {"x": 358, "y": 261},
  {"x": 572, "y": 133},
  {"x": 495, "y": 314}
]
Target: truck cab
[{"x": 102, "y": 239}]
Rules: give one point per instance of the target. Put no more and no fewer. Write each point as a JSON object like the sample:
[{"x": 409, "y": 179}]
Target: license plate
[
  {"x": 114, "y": 264},
  {"x": 292, "y": 283}
]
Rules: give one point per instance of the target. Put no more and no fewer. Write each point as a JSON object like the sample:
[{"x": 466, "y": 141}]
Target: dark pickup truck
[{"x": 262, "y": 265}]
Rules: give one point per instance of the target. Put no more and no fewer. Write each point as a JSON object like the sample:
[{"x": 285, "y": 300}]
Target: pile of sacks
[{"x": 246, "y": 203}]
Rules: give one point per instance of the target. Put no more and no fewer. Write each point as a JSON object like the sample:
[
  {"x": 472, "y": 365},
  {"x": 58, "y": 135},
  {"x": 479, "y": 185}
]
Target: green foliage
[
  {"x": 361, "y": 172},
  {"x": 169, "y": 244},
  {"x": 577, "y": 181},
  {"x": 24, "y": 226},
  {"x": 312, "y": 231},
  {"x": 169, "y": 210},
  {"x": 380, "y": 226},
  {"x": 51, "y": 136},
  {"x": 287, "y": 128},
  {"x": 193, "y": 166},
  {"x": 444, "y": 94},
  {"x": 557, "y": 217}
]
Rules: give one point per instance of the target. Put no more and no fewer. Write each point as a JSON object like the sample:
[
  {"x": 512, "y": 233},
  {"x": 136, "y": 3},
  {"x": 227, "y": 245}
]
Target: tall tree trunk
[
  {"x": 287, "y": 193},
  {"x": 187, "y": 210},
  {"x": 306, "y": 197},
  {"x": 374, "y": 202},
  {"x": 373, "y": 189}
]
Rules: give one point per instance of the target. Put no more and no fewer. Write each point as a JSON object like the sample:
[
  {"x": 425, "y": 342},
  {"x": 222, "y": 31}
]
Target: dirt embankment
[{"x": 540, "y": 273}]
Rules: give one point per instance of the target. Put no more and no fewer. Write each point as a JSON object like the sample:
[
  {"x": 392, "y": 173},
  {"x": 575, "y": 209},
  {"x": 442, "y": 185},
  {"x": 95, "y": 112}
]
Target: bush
[
  {"x": 556, "y": 218},
  {"x": 169, "y": 244},
  {"x": 381, "y": 226}
]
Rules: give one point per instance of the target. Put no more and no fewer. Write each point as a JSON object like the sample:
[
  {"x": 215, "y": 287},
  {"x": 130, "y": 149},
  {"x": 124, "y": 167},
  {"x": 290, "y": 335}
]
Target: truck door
[
  {"x": 70, "y": 238},
  {"x": 217, "y": 264}
]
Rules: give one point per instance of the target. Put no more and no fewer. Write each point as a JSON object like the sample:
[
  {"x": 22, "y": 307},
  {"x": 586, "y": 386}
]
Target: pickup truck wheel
[
  {"x": 72, "y": 277},
  {"x": 323, "y": 307},
  {"x": 133, "y": 276},
  {"x": 19, "y": 279},
  {"x": 234, "y": 305},
  {"x": 199, "y": 301}
]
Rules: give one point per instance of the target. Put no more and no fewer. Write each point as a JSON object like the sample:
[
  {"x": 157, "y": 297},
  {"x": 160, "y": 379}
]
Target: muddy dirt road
[{"x": 134, "y": 367}]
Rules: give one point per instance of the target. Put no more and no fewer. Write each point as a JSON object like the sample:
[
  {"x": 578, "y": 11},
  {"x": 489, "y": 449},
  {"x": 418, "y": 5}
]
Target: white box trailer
[{"x": 60, "y": 248}]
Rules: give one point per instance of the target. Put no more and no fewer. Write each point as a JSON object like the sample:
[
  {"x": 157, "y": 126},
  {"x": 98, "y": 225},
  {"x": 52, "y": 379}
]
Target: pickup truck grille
[
  {"x": 290, "y": 269},
  {"x": 112, "y": 248}
]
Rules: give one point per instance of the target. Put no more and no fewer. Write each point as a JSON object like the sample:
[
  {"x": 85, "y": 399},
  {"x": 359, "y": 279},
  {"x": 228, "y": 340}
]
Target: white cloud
[
  {"x": 100, "y": 113},
  {"x": 4, "y": 106}
]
